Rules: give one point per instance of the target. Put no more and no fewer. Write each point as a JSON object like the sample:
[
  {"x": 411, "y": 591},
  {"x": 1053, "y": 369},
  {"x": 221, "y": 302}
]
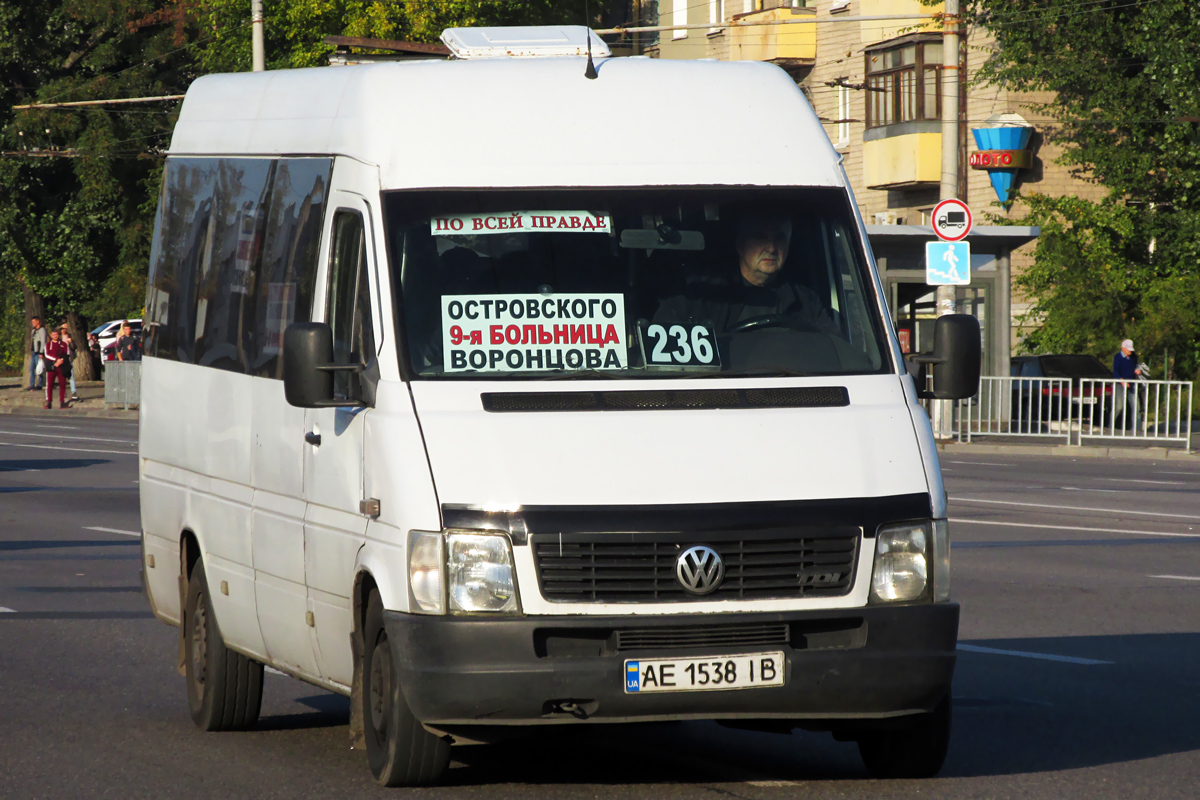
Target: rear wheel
[
  {"x": 399, "y": 749},
  {"x": 914, "y": 751},
  {"x": 224, "y": 688}
]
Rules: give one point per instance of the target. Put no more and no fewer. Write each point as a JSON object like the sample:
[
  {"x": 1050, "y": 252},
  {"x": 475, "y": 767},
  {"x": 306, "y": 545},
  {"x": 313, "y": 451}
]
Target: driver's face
[{"x": 762, "y": 248}]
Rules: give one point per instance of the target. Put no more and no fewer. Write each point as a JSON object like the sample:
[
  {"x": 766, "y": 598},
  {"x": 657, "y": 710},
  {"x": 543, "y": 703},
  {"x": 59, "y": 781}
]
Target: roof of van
[{"x": 523, "y": 122}]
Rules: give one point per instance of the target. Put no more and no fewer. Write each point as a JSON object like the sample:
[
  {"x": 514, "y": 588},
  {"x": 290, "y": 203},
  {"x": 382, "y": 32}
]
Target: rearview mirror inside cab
[{"x": 956, "y": 358}]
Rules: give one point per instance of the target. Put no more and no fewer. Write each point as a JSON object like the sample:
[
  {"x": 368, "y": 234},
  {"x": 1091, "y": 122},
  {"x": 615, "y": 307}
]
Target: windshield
[{"x": 632, "y": 283}]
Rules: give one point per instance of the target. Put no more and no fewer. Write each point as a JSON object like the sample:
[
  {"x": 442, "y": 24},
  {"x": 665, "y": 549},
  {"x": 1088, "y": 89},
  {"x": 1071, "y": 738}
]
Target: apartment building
[{"x": 873, "y": 71}]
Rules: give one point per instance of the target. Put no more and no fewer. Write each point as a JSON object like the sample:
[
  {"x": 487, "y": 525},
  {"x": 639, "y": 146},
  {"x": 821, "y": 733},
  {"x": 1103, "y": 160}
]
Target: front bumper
[{"x": 856, "y": 664}]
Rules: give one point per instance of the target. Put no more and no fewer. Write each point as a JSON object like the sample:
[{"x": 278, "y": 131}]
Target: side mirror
[
  {"x": 308, "y": 366},
  {"x": 956, "y": 359}
]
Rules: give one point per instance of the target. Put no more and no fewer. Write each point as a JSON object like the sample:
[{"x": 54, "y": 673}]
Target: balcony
[
  {"x": 789, "y": 46},
  {"x": 908, "y": 155}
]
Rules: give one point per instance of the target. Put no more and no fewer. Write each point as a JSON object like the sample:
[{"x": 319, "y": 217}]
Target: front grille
[
  {"x": 771, "y": 633},
  {"x": 640, "y": 567}
]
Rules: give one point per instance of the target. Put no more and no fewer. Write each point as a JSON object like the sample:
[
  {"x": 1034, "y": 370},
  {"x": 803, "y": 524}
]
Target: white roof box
[{"x": 523, "y": 42}]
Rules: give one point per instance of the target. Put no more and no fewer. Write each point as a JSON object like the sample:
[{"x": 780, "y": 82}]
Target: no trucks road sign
[{"x": 952, "y": 220}]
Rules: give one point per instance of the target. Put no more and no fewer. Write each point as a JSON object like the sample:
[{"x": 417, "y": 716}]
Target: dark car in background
[{"x": 1043, "y": 400}]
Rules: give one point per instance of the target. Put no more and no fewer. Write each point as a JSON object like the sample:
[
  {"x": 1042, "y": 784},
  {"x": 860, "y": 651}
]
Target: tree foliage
[{"x": 1127, "y": 105}]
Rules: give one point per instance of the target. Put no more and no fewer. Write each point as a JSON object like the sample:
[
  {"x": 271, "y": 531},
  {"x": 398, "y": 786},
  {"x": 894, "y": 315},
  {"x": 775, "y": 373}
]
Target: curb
[
  {"x": 1069, "y": 451},
  {"x": 67, "y": 413}
]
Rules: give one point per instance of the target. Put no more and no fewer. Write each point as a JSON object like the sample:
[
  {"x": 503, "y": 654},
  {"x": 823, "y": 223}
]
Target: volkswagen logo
[{"x": 700, "y": 569}]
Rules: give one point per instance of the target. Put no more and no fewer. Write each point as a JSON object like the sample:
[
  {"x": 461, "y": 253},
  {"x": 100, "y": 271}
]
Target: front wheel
[
  {"x": 399, "y": 749},
  {"x": 224, "y": 688},
  {"x": 914, "y": 751}
]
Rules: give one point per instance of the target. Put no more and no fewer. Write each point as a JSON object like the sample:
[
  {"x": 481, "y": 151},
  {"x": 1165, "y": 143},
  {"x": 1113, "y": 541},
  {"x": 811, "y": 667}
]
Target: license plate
[
  {"x": 1088, "y": 401},
  {"x": 712, "y": 673}
]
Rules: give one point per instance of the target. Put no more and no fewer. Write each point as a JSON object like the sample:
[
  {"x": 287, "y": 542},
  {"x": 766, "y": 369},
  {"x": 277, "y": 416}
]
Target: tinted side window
[
  {"x": 226, "y": 280},
  {"x": 185, "y": 239},
  {"x": 288, "y": 266},
  {"x": 1031, "y": 369},
  {"x": 234, "y": 258},
  {"x": 348, "y": 301}
]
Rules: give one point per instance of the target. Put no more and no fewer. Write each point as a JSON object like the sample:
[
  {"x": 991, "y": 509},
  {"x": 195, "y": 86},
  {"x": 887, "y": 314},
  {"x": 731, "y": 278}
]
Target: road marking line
[
  {"x": 274, "y": 671},
  {"x": 72, "y": 438},
  {"x": 1193, "y": 473},
  {"x": 1070, "y": 528},
  {"x": 68, "y": 449},
  {"x": 1135, "y": 480},
  {"x": 970, "y": 648},
  {"x": 1175, "y": 577},
  {"x": 1072, "y": 508},
  {"x": 1107, "y": 491},
  {"x": 115, "y": 530},
  {"x": 981, "y": 463},
  {"x": 4, "y": 610},
  {"x": 59, "y": 427}
]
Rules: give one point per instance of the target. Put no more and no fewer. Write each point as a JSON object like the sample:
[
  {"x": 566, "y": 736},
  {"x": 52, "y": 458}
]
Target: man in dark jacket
[{"x": 1125, "y": 397}]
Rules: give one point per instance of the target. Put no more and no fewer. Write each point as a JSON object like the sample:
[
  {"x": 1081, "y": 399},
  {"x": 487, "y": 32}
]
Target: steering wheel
[{"x": 765, "y": 321}]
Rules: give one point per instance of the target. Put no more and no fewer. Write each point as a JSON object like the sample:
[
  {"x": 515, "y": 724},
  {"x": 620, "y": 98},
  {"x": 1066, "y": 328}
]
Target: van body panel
[
  {"x": 418, "y": 121},
  {"x": 642, "y": 457},
  {"x": 928, "y": 445},
  {"x": 384, "y": 558}
]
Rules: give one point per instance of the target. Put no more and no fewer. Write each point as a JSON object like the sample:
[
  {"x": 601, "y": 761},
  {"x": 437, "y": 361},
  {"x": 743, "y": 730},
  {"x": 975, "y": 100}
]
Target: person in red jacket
[{"x": 56, "y": 355}]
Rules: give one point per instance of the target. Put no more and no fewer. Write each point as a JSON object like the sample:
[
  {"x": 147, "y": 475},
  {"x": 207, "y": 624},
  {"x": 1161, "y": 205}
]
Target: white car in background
[{"x": 108, "y": 332}]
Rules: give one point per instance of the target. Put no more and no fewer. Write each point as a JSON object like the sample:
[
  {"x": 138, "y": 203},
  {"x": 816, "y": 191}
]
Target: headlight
[
  {"x": 901, "y": 570},
  {"x": 480, "y": 572},
  {"x": 941, "y": 560},
  {"x": 425, "y": 572}
]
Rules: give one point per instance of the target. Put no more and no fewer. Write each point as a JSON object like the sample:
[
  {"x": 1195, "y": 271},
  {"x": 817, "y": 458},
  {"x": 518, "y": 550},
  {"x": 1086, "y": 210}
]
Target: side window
[
  {"x": 348, "y": 299},
  {"x": 1030, "y": 369}
]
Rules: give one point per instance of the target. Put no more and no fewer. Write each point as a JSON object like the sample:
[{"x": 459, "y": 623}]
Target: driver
[{"x": 759, "y": 291}]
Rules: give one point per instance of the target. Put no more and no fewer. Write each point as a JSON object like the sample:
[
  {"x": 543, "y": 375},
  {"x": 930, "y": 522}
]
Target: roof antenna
[{"x": 590, "y": 72}]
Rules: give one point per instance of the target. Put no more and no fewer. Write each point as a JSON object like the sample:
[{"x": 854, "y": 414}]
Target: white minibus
[{"x": 539, "y": 387}]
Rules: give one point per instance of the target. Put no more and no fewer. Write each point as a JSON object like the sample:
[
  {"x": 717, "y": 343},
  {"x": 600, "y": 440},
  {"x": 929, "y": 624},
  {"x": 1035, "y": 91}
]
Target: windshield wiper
[
  {"x": 584, "y": 374},
  {"x": 756, "y": 372}
]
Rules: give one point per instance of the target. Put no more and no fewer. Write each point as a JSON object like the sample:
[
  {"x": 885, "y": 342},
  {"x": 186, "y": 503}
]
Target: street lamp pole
[
  {"x": 943, "y": 410},
  {"x": 256, "y": 35}
]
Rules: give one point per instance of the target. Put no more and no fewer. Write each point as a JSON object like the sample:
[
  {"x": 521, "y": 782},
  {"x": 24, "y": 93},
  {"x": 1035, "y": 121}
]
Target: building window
[
  {"x": 904, "y": 82},
  {"x": 679, "y": 16},
  {"x": 716, "y": 14},
  {"x": 843, "y": 114}
]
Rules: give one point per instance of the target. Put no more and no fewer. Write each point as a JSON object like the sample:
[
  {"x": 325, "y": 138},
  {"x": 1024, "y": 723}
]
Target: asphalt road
[{"x": 1078, "y": 676}]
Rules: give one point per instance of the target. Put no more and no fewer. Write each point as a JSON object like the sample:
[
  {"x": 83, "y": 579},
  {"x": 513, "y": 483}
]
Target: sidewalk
[
  {"x": 1121, "y": 451},
  {"x": 15, "y": 399}
]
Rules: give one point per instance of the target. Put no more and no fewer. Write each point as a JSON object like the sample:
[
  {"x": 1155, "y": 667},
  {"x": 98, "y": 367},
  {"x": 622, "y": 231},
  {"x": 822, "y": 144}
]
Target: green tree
[
  {"x": 74, "y": 181},
  {"x": 1125, "y": 94}
]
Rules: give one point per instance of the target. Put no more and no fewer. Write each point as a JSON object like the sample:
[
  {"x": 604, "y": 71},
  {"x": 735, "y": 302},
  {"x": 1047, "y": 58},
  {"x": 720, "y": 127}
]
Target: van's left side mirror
[
  {"x": 308, "y": 367},
  {"x": 956, "y": 359}
]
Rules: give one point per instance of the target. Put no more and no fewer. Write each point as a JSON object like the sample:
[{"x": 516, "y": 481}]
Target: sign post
[{"x": 948, "y": 264}]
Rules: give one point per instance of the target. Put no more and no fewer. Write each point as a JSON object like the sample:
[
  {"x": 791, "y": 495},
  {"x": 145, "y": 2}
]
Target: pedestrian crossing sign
[{"x": 947, "y": 263}]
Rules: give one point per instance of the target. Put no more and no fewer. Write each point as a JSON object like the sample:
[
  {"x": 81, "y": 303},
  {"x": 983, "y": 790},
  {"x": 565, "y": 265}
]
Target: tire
[
  {"x": 224, "y": 688},
  {"x": 914, "y": 751},
  {"x": 399, "y": 749}
]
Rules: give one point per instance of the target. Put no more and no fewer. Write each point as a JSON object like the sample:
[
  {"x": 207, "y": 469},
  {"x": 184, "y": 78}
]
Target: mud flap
[{"x": 358, "y": 737}]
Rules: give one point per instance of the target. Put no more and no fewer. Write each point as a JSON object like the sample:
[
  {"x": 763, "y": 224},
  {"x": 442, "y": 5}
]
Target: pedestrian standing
[
  {"x": 72, "y": 351},
  {"x": 37, "y": 365},
  {"x": 55, "y": 357},
  {"x": 129, "y": 347},
  {"x": 1125, "y": 397},
  {"x": 95, "y": 352}
]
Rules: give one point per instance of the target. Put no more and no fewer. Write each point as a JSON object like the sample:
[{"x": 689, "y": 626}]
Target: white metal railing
[
  {"x": 1074, "y": 410},
  {"x": 1007, "y": 406},
  {"x": 1154, "y": 411}
]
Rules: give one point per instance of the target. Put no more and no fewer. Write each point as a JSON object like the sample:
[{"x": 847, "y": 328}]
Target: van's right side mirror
[
  {"x": 308, "y": 366},
  {"x": 956, "y": 358}
]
